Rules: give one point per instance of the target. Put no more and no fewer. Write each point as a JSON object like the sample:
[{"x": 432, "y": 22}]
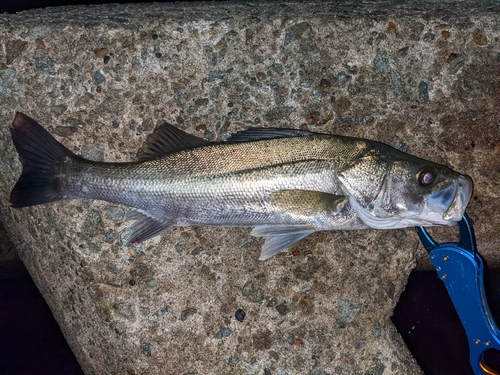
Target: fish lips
[
  {"x": 452, "y": 201},
  {"x": 463, "y": 193}
]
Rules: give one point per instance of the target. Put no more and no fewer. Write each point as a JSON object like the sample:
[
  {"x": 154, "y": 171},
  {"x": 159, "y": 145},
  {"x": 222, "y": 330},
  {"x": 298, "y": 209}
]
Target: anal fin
[
  {"x": 279, "y": 237},
  {"x": 146, "y": 226}
]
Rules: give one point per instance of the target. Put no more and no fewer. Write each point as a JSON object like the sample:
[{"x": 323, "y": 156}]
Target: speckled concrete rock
[{"x": 422, "y": 77}]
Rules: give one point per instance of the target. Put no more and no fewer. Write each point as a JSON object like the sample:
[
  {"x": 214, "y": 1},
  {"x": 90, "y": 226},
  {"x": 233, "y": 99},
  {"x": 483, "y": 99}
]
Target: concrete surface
[{"x": 423, "y": 77}]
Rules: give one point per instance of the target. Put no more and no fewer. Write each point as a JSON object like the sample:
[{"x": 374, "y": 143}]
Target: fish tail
[{"x": 41, "y": 156}]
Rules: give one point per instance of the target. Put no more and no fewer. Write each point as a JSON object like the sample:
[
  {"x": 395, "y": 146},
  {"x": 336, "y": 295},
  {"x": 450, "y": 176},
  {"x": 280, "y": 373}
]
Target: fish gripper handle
[{"x": 461, "y": 268}]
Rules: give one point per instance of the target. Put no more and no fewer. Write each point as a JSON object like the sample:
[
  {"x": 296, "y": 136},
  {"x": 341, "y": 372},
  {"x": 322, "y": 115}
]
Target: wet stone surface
[{"x": 425, "y": 79}]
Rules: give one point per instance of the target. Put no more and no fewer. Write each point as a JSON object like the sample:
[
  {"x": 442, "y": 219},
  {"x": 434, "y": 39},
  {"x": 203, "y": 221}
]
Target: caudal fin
[{"x": 41, "y": 155}]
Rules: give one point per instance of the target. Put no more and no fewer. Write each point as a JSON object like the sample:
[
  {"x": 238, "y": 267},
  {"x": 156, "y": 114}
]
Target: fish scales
[{"x": 191, "y": 184}]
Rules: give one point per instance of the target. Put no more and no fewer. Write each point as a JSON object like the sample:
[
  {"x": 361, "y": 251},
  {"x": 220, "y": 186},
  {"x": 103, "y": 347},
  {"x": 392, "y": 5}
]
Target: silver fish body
[{"x": 284, "y": 183}]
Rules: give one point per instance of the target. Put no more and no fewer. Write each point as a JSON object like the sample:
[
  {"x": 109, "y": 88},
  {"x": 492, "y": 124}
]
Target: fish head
[{"x": 389, "y": 189}]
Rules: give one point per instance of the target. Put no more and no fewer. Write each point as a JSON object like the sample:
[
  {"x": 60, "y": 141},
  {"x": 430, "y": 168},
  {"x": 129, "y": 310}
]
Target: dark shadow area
[
  {"x": 31, "y": 341},
  {"x": 10, "y": 6},
  {"x": 426, "y": 319},
  {"x": 14, "y": 6}
]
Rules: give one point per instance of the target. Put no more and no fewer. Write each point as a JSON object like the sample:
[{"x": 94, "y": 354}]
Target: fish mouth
[
  {"x": 452, "y": 201},
  {"x": 463, "y": 193}
]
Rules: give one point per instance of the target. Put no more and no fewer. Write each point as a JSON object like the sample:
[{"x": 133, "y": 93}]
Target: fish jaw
[{"x": 462, "y": 192}]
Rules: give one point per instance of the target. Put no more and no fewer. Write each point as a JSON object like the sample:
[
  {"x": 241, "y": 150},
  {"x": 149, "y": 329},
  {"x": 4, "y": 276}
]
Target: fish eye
[{"x": 426, "y": 175}]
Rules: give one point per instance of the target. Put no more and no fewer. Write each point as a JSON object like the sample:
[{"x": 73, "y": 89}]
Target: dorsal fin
[
  {"x": 258, "y": 134},
  {"x": 166, "y": 140}
]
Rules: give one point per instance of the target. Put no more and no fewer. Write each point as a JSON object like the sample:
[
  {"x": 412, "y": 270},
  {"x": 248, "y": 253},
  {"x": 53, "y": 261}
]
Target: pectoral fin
[
  {"x": 308, "y": 202},
  {"x": 279, "y": 237},
  {"x": 146, "y": 226},
  {"x": 299, "y": 202}
]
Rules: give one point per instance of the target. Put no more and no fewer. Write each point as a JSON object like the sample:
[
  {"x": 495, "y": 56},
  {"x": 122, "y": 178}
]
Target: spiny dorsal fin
[
  {"x": 258, "y": 134},
  {"x": 166, "y": 140}
]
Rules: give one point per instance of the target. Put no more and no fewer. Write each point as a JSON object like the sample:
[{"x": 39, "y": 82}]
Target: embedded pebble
[
  {"x": 239, "y": 315},
  {"x": 223, "y": 332},
  {"x": 347, "y": 309},
  {"x": 187, "y": 313},
  {"x": 282, "y": 308}
]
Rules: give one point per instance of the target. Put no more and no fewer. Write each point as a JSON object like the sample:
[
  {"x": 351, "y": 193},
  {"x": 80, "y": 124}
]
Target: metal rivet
[
  {"x": 438, "y": 269},
  {"x": 487, "y": 343},
  {"x": 477, "y": 341},
  {"x": 444, "y": 276},
  {"x": 446, "y": 258}
]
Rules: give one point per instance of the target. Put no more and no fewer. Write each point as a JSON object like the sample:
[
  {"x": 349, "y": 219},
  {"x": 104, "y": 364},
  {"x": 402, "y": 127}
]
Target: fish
[{"x": 284, "y": 183}]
